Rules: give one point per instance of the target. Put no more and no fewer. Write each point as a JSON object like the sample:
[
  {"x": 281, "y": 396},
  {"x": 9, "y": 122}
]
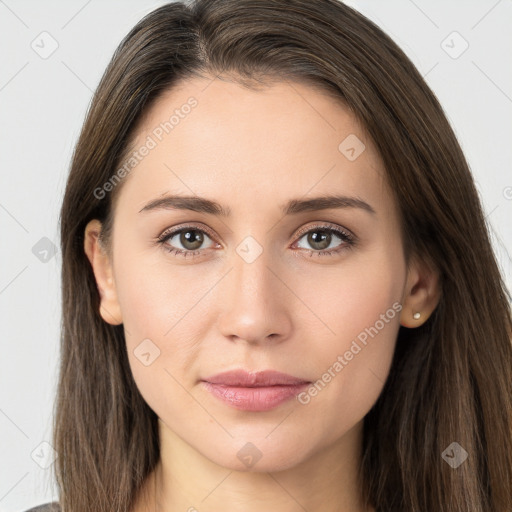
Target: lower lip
[{"x": 254, "y": 399}]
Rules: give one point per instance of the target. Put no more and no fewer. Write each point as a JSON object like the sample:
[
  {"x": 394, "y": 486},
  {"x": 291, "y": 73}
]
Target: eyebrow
[{"x": 293, "y": 206}]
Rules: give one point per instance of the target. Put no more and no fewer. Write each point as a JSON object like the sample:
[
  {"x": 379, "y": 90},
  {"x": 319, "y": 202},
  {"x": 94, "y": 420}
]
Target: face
[{"x": 276, "y": 282}]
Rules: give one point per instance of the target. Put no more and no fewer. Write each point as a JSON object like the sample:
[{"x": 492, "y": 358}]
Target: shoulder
[{"x": 47, "y": 507}]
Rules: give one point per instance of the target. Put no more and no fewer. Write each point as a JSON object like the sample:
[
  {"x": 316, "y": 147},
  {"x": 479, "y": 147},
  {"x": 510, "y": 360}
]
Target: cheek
[
  {"x": 160, "y": 301},
  {"x": 360, "y": 311},
  {"x": 164, "y": 321},
  {"x": 352, "y": 296},
  {"x": 157, "y": 296}
]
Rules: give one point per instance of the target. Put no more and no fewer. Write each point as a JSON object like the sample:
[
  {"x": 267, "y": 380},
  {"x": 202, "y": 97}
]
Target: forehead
[{"x": 213, "y": 137}]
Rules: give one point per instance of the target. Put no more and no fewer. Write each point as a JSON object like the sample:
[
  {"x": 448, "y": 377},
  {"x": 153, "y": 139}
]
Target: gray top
[{"x": 47, "y": 507}]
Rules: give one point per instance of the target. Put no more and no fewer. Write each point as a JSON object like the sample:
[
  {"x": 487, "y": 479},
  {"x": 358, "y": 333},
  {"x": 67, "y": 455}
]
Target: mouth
[{"x": 254, "y": 391}]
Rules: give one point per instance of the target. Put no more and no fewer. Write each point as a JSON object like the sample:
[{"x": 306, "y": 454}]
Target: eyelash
[{"x": 347, "y": 238}]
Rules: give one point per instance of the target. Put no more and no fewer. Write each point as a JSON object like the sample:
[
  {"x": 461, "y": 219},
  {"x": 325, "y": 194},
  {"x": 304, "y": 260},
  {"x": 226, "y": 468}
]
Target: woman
[{"x": 278, "y": 288}]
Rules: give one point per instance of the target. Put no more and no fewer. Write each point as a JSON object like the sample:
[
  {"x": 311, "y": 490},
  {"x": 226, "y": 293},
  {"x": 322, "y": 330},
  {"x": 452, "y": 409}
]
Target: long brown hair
[{"x": 451, "y": 378}]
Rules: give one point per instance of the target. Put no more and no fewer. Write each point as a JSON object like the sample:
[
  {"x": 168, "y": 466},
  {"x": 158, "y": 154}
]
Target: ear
[
  {"x": 421, "y": 294},
  {"x": 110, "y": 310}
]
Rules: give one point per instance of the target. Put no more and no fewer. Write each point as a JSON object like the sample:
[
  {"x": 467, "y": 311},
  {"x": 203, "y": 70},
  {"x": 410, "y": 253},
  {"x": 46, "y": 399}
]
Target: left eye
[{"x": 321, "y": 239}]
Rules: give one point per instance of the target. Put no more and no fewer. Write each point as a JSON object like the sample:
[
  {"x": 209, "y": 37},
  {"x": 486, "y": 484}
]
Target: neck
[{"x": 185, "y": 480}]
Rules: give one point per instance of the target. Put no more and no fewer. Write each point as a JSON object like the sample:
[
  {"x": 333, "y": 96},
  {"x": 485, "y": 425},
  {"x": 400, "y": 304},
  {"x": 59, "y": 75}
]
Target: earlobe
[
  {"x": 421, "y": 294},
  {"x": 110, "y": 310}
]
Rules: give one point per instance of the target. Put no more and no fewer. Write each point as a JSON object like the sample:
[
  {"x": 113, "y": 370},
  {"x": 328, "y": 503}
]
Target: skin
[{"x": 289, "y": 309}]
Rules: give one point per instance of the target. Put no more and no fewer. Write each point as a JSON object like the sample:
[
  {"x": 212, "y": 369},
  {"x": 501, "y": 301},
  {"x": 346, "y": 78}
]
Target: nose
[{"x": 256, "y": 302}]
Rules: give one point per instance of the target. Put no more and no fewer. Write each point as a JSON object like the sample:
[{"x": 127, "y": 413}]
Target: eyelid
[
  {"x": 174, "y": 230},
  {"x": 325, "y": 225}
]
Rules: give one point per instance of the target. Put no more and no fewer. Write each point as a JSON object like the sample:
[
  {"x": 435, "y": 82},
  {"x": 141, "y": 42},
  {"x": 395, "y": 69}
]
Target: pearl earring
[{"x": 416, "y": 316}]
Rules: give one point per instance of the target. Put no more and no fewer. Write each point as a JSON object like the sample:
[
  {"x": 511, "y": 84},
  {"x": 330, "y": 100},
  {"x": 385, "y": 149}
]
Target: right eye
[{"x": 188, "y": 238}]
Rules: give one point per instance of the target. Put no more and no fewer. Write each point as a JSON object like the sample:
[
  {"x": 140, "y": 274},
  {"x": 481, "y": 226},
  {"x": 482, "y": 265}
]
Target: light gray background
[{"x": 43, "y": 102}]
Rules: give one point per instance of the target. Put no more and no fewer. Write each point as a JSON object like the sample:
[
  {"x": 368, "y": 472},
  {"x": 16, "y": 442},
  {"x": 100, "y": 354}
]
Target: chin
[{"x": 257, "y": 456}]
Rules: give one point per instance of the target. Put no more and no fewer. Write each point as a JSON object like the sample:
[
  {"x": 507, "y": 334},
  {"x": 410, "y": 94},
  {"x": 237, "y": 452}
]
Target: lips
[
  {"x": 254, "y": 391},
  {"x": 243, "y": 378}
]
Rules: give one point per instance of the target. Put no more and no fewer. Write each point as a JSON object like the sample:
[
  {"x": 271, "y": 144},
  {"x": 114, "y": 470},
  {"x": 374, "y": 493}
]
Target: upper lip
[{"x": 248, "y": 379}]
